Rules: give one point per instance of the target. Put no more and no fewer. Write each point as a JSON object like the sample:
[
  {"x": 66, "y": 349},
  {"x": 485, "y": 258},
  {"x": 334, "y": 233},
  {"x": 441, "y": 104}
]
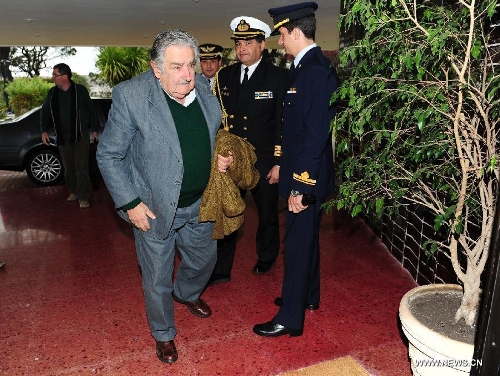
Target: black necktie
[{"x": 245, "y": 77}]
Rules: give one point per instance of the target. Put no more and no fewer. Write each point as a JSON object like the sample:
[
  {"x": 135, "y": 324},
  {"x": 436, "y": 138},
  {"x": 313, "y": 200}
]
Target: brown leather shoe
[
  {"x": 166, "y": 351},
  {"x": 198, "y": 307}
]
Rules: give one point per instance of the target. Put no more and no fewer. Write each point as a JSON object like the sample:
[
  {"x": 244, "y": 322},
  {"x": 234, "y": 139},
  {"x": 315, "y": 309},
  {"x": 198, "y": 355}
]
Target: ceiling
[{"x": 137, "y": 22}]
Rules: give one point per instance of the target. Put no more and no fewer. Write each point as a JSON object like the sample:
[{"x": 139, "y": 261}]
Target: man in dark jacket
[
  {"x": 251, "y": 94},
  {"x": 306, "y": 176},
  {"x": 69, "y": 108}
]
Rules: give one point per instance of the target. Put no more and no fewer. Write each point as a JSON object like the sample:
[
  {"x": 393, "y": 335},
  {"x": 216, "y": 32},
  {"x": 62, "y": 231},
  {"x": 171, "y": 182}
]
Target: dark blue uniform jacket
[{"x": 307, "y": 157}]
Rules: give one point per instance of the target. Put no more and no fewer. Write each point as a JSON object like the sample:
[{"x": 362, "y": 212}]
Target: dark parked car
[{"x": 21, "y": 146}]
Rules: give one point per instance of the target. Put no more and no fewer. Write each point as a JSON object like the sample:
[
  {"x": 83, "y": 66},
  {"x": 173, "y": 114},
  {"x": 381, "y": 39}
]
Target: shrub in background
[
  {"x": 27, "y": 93},
  {"x": 3, "y": 106}
]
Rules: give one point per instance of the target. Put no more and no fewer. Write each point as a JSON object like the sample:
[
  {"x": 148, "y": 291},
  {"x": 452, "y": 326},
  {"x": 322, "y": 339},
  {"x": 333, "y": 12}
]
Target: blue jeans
[{"x": 156, "y": 257}]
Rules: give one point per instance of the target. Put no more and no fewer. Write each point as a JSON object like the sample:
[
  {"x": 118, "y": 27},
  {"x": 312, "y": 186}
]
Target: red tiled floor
[{"x": 72, "y": 301}]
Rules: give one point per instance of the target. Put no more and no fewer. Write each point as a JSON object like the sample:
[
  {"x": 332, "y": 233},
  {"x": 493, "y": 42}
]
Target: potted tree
[{"x": 420, "y": 127}]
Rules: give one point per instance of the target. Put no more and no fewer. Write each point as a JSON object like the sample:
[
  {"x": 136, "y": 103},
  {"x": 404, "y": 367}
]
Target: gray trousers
[
  {"x": 75, "y": 159},
  {"x": 156, "y": 257}
]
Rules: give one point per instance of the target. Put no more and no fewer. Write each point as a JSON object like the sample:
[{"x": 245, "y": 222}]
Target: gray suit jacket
[{"x": 139, "y": 154}]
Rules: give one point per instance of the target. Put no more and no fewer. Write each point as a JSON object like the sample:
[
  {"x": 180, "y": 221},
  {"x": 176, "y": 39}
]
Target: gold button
[
  {"x": 231, "y": 126},
  {"x": 245, "y": 118},
  {"x": 231, "y": 116},
  {"x": 244, "y": 128}
]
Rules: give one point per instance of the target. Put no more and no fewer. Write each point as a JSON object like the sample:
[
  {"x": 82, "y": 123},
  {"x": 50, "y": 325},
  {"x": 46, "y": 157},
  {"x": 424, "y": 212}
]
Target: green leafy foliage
[
  {"x": 27, "y": 93},
  {"x": 420, "y": 126},
  {"x": 3, "y": 107},
  {"x": 117, "y": 64}
]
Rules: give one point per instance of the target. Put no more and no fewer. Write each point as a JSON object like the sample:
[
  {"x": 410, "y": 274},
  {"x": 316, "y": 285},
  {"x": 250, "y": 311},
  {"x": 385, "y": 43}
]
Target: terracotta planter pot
[{"x": 432, "y": 353}]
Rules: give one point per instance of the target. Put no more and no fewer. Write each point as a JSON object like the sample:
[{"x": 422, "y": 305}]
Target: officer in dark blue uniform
[
  {"x": 251, "y": 94},
  {"x": 306, "y": 175}
]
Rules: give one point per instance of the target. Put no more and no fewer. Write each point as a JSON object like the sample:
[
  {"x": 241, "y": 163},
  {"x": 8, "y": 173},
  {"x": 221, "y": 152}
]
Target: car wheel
[{"x": 45, "y": 167}]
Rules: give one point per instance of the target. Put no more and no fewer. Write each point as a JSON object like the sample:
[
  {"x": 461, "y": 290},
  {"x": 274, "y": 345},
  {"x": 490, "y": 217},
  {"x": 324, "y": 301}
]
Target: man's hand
[
  {"x": 223, "y": 163},
  {"x": 273, "y": 175},
  {"x": 139, "y": 217},
  {"x": 295, "y": 204},
  {"x": 45, "y": 138},
  {"x": 94, "y": 137}
]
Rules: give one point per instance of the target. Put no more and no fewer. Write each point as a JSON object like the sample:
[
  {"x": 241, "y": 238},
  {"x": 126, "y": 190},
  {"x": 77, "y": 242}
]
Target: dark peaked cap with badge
[
  {"x": 245, "y": 27},
  {"x": 283, "y": 15},
  {"x": 210, "y": 51}
]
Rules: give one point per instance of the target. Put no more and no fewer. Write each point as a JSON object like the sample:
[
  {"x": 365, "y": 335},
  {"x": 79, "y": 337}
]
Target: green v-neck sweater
[{"x": 194, "y": 139}]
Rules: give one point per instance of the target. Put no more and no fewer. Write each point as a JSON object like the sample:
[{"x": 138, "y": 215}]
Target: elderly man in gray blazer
[{"x": 155, "y": 156}]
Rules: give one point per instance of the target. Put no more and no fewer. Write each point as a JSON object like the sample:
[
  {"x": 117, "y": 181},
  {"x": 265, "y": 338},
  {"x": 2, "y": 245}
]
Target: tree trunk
[{"x": 470, "y": 301}]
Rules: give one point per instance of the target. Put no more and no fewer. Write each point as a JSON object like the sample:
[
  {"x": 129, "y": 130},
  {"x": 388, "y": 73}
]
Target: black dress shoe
[
  {"x": 278, "y": 301},
  {"x": 218, "y": 278},
  {"x": 166, "y": 351},
  {"x": 198, "y": 307},
  {"x": 263, "y": 267},
  {"x": 273, "y": 329}
]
